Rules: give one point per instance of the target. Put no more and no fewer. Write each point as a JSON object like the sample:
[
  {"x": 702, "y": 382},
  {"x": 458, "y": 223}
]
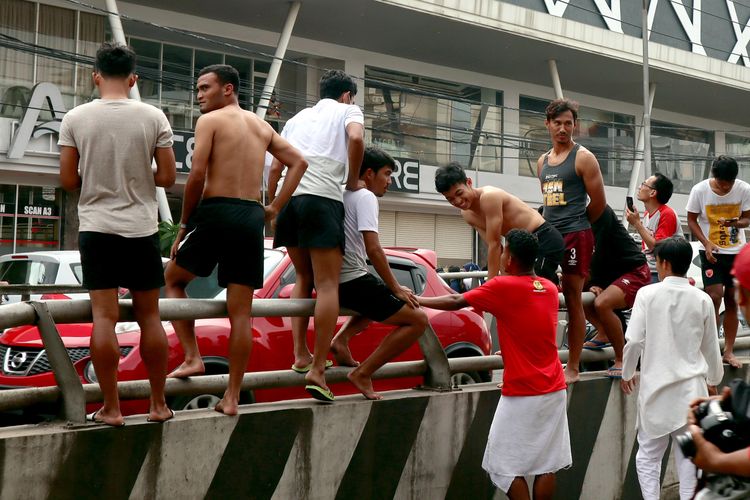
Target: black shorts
[
  {"x": 551, "y": 248},
  {"x": 369, "y": 296},
  {"x": 228, "y": 232},
  {"x": 310, "y": 221},
  {"x": 112, "y": 261},
  {"x": 719, "y": 273}
]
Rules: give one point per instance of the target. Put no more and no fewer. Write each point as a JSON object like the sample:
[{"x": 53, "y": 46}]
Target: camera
[{"x": 719, "y": 427}]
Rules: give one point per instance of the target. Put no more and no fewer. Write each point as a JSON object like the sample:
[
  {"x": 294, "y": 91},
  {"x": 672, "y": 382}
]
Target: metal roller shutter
[
  {"x": 454, "y": 238},
  {"x": 415, "y": 230},
  {"x": 387, "y": 228}
]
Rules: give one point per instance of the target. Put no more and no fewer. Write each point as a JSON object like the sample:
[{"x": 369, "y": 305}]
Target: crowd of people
[{"x": 107, "y": 149}]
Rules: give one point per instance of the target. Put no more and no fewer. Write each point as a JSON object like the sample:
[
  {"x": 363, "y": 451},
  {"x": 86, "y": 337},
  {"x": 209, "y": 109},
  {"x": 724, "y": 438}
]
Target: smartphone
[{"x": 629, "y": 203}]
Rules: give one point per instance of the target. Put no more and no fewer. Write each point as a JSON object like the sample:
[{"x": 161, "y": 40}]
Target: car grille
[{"x": 24, "y": 361}]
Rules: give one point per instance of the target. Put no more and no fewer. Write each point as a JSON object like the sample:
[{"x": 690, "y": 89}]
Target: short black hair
[
  {"x": 225, "y": 73},
  {"x": 560, "y": 106},
  {"x": 523, "y": 247},
  {"x": 664, "y": 188},
  {"x": 724, "y": 168},
  {"x": 677, "y": 251},
  {"x": 375, "y": 158},
  {"x": 115, "y": 60},
  {"x": 449, "y": 175},
  {"x": 335, "y": 82}
]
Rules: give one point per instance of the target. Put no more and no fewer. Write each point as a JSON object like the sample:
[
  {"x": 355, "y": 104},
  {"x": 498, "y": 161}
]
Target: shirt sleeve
[
  {"x": 746, "y": 198},
  {"x": 353, "y": 115},
  {"x": 164, "y": 138},
  {"x": 485, "y": 297},
  {"x": 66, "y": 133},
  {"x": 694, "y": 203},
  {"x": 635, "y": 337},
  {"x": 710, "y": 345},
  {"x": 667, "y": 225},
  {"x": 367, "y": 213}
]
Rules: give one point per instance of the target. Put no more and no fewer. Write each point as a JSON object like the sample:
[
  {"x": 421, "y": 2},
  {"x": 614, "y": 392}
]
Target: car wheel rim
[
  {"x": 202, "y": 402},
  {"x": 462, "y": 379}
]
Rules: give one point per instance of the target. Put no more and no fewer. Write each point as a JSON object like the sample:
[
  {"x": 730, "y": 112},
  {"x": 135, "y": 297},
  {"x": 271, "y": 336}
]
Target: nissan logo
[{"x": 18, "y": 360}]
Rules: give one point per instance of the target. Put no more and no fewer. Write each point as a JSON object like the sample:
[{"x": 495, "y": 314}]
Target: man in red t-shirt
[{"x": 531, "y": 414}]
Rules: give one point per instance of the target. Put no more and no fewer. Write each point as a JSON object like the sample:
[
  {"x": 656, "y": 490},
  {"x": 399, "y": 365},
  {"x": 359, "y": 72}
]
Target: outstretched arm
[
  {"x": 379, "y": 261},
  {"x": 452, "y": 302}
]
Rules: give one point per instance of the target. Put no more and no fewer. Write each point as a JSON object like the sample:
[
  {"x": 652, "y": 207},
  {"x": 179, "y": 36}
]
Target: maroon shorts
[
  {"x": 579, "y": 247},
  {"x": 633, "y": 281}
]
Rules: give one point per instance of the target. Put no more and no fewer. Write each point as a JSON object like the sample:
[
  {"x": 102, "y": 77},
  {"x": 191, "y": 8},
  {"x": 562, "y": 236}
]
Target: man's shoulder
[
  {"x": 355, "y": 197},
  {"x": 700, "y": 186}
]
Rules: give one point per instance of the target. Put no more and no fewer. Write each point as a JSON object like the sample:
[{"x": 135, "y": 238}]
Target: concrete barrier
[{"x": 413, "y": 444}]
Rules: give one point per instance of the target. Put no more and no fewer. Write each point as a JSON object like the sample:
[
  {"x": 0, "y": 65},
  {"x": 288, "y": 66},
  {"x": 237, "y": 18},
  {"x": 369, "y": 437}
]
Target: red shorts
[
  {"x": 633, "y": 281},
  {"x": 579, "y": 247}
]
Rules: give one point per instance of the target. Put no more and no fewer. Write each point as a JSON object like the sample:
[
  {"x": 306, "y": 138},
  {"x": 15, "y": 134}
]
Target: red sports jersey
[{"x": 526, "y": 311}]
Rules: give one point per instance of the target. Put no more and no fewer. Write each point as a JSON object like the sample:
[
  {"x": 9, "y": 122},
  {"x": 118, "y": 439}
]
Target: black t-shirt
[{"x": 616, "y": 252}]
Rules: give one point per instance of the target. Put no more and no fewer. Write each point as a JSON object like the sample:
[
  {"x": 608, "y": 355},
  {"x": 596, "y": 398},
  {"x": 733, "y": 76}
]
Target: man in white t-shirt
[
  {"x": 718, "y": 209},
  {"x": 112, "y": 141},
  {"x": 311, "y": 225},
  {"x": 376, "y": 299},
  {"x": 659, "y": 220}
]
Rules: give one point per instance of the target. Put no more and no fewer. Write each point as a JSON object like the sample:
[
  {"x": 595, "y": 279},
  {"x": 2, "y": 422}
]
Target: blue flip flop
[
  {"x": 598, "y": 345},
  {"x": 320, "y": 393},
  {"x": 614, "y": 373}
]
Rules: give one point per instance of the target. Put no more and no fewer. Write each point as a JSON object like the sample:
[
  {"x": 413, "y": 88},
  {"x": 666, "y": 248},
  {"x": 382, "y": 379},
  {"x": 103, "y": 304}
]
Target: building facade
[{"x": 439, "y": 81}]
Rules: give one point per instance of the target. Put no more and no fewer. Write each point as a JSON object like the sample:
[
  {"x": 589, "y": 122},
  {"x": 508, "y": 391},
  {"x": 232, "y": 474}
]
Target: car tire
[
  {"x": 465, "y": 378},
  {"x": 206, "y": 401}
]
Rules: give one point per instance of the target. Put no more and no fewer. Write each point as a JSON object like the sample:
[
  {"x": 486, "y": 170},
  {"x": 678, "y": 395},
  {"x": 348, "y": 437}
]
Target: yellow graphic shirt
[{"x": 711, "y": 207}]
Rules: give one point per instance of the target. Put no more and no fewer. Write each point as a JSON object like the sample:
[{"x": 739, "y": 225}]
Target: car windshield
[{"x": 28, "y": 272}]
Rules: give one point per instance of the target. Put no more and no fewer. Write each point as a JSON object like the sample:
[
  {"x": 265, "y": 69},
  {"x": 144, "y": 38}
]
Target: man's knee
[
  {"x": 419, "y": 320},
  {"x": 716, "y": 292}
]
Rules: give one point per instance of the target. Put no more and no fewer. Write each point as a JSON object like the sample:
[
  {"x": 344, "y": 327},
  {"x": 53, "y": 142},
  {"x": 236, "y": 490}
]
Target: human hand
[
  {"x": 728, "y": 222},
  {"x": 634, "y": 218},
  {"x": 176, "y": 244},
  {"x": 407, "y": 296},
  {"x": 270, "y": 212},
  {"x": 596, "y": 290},
  {"x": 711, "y": 250},
  {"x": 627, "y": 386}
]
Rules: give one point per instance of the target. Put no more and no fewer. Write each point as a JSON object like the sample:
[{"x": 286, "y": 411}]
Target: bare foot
[
  {"x": 226, "y": 407},
  {"x": 732, "y": 360},
  {"x": 107, "y": 417},
  {"x": 364, "y": 384},
  {"x": 316, "y": 378},
  {"x": 188, "y": 369},
  {"x": 571, "y": 376},
  {"x": 500, "y": 385},
  {"x": 342, "y": 354},
  {"x": 160, "y": 415},
  {"x": 302, "y": 362}
]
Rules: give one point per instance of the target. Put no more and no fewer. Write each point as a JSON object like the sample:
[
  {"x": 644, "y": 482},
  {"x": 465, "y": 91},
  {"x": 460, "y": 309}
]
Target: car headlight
[{"x": 89, "y": 374}]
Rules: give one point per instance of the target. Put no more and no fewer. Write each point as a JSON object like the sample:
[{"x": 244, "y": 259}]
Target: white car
[{"x": 62, "y": 267}]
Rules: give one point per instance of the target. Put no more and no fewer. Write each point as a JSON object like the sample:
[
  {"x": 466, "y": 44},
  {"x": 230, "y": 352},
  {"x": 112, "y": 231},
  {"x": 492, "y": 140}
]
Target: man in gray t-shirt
[
  {"x": 112, "y": 141},
  {"x": 375, "y": 299}
]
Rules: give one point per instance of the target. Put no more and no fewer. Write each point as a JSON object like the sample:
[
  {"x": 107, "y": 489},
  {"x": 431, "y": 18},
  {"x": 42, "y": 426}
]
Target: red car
[{"x": 462, "y": 333}]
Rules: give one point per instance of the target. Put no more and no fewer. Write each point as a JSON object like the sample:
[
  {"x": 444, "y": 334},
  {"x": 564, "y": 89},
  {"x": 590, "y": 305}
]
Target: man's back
[
  {"x": 116, "y": 139},
  {"x": 238, "y": 149},
  {"x": 515, "y": 213},
  {"x": 320, "y": 134}
]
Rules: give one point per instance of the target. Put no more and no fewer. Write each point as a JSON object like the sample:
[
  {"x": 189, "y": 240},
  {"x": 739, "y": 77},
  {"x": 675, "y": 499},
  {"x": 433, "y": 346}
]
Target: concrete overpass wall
[{"x": 411, "y": 445}]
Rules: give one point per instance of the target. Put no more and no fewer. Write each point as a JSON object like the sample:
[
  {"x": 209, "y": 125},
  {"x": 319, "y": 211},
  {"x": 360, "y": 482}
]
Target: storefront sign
[
  {"x": 184, "y": 143},
  {"x": 29, "y": 210},
  {"x": 41, "y": 94},
  {"x": 405, "y": 178}
]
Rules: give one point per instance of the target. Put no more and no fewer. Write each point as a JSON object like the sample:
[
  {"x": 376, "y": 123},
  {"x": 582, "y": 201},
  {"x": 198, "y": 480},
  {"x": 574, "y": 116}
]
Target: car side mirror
[{"x": 286, "y": 291}]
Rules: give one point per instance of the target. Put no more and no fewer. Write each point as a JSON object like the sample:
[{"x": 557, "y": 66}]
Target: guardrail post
[
  {"x": 73, "y": 406},
  {"x": 438, "y": 374}
]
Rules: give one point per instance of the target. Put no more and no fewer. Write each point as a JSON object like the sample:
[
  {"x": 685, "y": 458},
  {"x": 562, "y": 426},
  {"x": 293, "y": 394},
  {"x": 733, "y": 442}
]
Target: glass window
[
  {"x": 17, "y": 20},
  {"x": 90, "y": 36},
  {"x": 738, "y": 147},
  {"x": 177, "y": 85},
  {"x": 28, "y": 272},
  {"x": 57, "y": 30},
  {"x": 681, "y": 153},
  {"x": 245, "y": 68},
  {"x": 609, "y": 136},
  {"x": 431, "y": 120},
  {"x": 149, "y": 56}
]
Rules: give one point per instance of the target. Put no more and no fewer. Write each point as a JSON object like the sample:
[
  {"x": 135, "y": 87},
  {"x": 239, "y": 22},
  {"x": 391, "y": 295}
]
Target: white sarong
[{"x": 529, "y": 436}]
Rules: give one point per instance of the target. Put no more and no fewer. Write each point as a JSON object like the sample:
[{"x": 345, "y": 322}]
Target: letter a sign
[{"x": 29, "y": 127}]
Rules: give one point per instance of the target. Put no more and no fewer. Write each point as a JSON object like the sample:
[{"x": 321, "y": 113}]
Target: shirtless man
[
  {"x": 569, "y": 175},
  {"x": 493, "y": 212},
  {"x": 226, "y": 177}
]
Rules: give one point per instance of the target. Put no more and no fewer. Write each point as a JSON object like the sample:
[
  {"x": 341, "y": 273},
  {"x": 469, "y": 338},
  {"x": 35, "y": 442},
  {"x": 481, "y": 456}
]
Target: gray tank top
[{"x": 564, "y": 194}]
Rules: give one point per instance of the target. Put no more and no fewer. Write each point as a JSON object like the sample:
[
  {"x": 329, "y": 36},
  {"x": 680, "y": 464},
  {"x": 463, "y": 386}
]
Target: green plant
[{"x": 167, "y": 234}]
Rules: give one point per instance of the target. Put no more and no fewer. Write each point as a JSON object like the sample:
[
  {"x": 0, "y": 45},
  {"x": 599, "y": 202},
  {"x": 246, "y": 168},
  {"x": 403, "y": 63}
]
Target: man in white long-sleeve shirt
[{"x": 672, "y": 330}]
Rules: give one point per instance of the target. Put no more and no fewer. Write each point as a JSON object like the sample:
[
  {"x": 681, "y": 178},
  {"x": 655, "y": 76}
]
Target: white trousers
[{"x": 648, "y": 465}]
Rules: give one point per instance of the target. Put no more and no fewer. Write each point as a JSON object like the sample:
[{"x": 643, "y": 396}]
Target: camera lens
[{"x": 686, "y": 444}]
